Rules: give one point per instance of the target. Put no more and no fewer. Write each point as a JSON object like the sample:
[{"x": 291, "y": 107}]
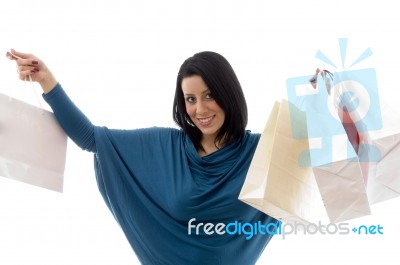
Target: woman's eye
[
  {"x": 190, "y": 99},
  {"x": 209, "y": 96}
]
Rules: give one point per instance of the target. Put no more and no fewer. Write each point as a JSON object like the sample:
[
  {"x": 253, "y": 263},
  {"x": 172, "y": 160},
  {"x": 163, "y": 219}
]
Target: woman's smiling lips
[{"x": 205, "y": 121}]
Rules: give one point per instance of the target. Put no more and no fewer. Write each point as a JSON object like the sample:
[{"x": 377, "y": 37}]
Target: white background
[{"x": 118, "y": 61}]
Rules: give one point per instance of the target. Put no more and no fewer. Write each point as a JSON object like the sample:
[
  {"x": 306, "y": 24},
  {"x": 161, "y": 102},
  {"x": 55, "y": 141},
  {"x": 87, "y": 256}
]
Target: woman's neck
[{"x": 209, "y": 146}]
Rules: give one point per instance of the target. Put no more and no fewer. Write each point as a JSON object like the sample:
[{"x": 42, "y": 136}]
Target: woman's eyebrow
[{"x": 203, "y": 92}]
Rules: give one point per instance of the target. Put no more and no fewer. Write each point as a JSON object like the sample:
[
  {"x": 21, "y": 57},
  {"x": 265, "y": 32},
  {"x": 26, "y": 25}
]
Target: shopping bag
[
  {"x": 340, "y": 176},
  {"x": 32, "y": 145},
  {"x": 275, "y": 183},
  {"x": 378, "y": 128},
  {"x": 296, "y": 175},
  {"x": 382, "y": 149}
]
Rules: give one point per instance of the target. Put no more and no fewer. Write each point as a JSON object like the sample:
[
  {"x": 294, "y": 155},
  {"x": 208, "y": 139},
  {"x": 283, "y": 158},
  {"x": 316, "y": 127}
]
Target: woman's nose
[{"x": 201, "y": 107}]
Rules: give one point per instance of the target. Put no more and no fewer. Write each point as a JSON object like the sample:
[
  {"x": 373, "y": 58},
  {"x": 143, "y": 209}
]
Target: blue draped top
[{"x": 174, "y": 206}]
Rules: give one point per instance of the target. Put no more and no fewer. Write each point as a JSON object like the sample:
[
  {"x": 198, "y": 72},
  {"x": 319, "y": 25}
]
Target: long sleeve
[{"x": 75, "y": 124}]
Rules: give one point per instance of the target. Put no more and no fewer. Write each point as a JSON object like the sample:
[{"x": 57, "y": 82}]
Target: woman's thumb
[{"x": 20, "y": 54}]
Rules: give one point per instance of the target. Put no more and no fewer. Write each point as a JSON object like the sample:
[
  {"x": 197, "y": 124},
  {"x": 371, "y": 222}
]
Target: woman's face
[{"x": 201, "y": 107}]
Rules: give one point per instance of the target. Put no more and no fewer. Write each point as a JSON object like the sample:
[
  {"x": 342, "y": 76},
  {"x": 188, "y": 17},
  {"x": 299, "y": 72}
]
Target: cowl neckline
[{"x": 217, "y": 162}]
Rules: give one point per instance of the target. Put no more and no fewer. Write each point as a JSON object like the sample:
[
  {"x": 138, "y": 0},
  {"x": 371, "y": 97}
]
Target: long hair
[{"x": 226, "y": 90}]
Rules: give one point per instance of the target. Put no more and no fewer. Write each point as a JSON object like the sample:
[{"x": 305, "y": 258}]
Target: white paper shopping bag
[
  {"x": 333, "y": 155},
  {"x": 382, "y": 151},
  {"x": 32, "y": 145},
  {"x": 276, "y": 184},
  {"x": 378, "y": 128}
]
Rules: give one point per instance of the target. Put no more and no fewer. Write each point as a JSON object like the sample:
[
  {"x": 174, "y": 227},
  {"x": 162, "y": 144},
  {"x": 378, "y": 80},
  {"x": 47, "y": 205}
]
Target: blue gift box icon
[{"x": 350, "y": 93}]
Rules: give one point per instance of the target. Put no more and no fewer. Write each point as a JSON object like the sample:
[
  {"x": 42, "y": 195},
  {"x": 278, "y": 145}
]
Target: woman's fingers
[
  {"x": 22, "y": 58},
  {"x": 27, "y": 67},
  {"x": 24, "y": 74},
  {"x": 27, "y": 64},
  {"x": 30, "y": 67},
  {"x": 12, "y": 56},
  {"x": 21, "y": 55}
]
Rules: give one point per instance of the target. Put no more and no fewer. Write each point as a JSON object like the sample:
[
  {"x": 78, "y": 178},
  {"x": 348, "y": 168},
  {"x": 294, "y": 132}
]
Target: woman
[{"x": 174, "y": 192}]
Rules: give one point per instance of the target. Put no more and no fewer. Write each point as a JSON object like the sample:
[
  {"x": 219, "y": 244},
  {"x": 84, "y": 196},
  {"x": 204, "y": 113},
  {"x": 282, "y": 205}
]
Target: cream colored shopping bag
[
  {"x": 279, "y": 184},
  {"x": 378, "y": 152},
  {"x": 378, "y": 125},
  {"x": 276, "y": 183},
  {"x": 32, "y": 145},
  {"x": 332, "y": 149},
  {"x": 382, "y": 150}
]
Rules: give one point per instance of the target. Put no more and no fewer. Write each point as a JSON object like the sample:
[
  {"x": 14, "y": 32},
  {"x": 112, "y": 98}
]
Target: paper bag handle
[
  {"x": 348, "y": 124},
  {"x": 326, "y": 75}
]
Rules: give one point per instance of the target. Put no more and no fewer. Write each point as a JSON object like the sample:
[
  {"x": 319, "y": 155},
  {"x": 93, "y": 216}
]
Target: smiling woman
[
  {"x": 155, "y": 180},
  {"x": 118, "y": 60},
  {"x": 204, "y": 113},
  {"x": 208, "y": 94}
]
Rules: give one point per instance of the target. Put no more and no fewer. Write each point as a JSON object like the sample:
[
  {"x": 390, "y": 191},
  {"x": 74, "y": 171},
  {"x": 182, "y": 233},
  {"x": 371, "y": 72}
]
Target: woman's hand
[{"x": 30, "y": 65}]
